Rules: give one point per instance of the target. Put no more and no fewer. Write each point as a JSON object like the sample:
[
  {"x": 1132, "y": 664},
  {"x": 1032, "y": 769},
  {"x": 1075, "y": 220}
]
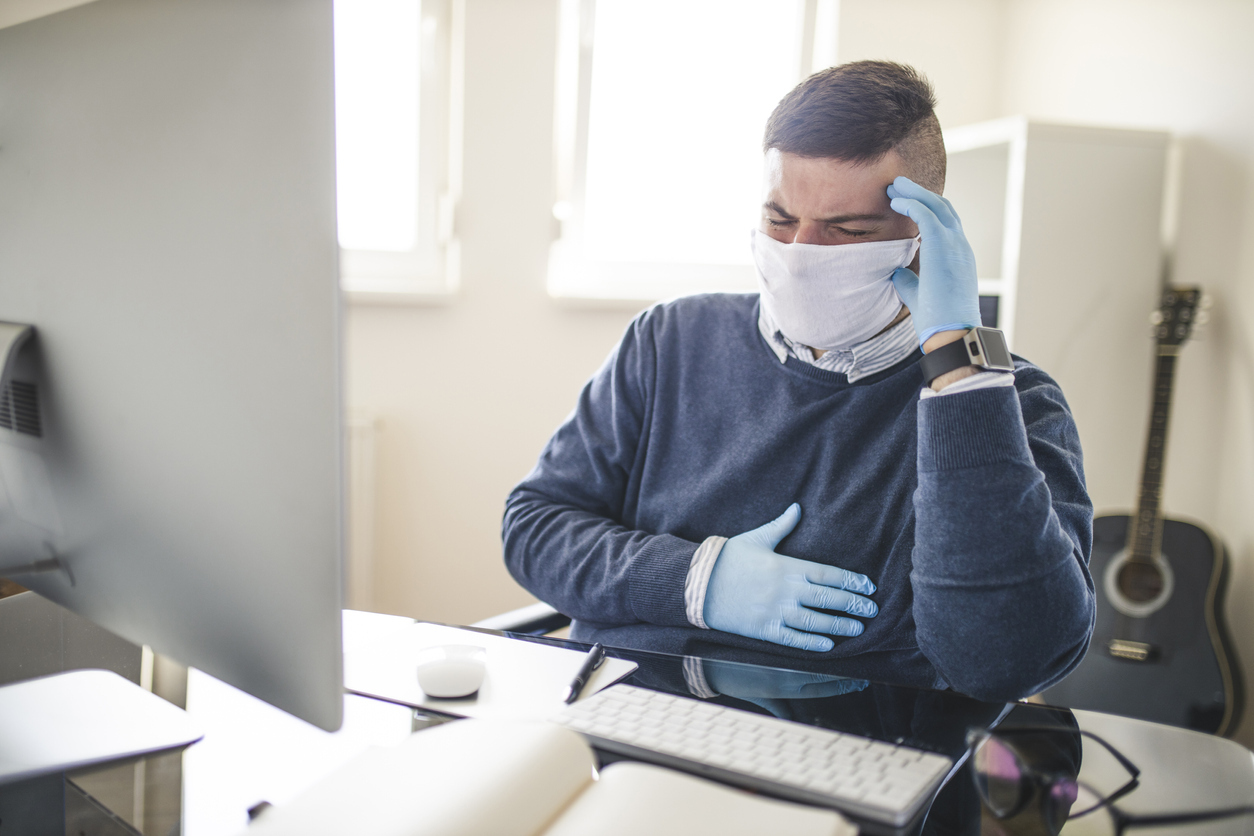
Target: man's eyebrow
[
  {"x": 836, "y": 219},
  {"x": 778, "y": 210},
  {"x": 844, "y": 219}
]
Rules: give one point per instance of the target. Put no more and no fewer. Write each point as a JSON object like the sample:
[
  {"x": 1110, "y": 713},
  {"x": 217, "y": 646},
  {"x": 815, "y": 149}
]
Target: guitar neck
[{"x": 1143, "y": 539}]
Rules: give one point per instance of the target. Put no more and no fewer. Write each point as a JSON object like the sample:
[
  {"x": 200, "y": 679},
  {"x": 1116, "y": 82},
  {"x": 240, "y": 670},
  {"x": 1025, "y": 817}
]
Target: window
[
  {"x": 396, "y": 177},
  {"x": 661, "y": 106}
]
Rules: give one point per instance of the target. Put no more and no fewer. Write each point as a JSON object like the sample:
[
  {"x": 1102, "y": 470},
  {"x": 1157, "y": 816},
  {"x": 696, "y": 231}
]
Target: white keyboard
[{"x": 860, "y": 776}]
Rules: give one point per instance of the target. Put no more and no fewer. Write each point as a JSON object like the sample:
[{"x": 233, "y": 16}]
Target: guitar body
[{"x": 1174, "y": 665}]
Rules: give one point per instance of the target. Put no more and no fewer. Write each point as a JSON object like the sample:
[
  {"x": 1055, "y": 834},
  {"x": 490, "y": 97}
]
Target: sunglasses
[{"x": 1008, "y": 786}]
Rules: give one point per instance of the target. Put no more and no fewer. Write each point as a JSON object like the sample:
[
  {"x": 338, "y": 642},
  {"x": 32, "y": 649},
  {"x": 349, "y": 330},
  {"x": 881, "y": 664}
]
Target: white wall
[
  {"x": 958, "y": 44},
  {"x": 467, "y": 393}
]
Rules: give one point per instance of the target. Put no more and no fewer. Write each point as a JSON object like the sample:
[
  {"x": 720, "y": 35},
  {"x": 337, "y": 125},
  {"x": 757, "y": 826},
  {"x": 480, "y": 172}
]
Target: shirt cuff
[
  {"x": 698, "y": 580},
  {"x": 979, "y": 380},
  {"x": 694, "y": 678}
]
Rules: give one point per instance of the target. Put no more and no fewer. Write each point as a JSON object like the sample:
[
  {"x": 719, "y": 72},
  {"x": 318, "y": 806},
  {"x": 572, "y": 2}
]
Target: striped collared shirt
[{"x": 888, "y": 348}]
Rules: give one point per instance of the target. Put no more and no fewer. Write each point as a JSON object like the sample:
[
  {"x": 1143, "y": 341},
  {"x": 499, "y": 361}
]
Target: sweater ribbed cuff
[
  {"x": 658, "y": 578},
  {"x": 972, "y": 429}
]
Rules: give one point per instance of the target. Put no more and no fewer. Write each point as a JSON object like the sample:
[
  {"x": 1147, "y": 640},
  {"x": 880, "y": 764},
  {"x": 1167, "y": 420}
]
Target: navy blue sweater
[{"x": 968, "y": 511}]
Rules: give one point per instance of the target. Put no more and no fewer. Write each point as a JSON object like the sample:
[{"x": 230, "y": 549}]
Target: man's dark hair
[{"x": 860, "y": 111}]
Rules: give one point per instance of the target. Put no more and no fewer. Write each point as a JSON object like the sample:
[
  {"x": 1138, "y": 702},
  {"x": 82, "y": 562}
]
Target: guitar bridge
[{"x": 1132, "y": 651}]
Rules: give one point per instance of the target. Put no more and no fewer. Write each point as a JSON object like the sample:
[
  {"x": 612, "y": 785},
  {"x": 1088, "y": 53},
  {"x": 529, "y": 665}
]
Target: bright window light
[
  {"x": 376, "y": 123},
  {"x": 680, "y": 93}
]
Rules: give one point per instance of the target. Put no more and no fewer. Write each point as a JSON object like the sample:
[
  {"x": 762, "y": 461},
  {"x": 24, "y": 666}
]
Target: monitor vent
[{"x": 19, "y": 408}]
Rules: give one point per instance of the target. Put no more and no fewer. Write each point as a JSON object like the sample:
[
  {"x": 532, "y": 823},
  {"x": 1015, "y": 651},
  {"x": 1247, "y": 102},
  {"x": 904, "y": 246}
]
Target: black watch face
[{"x": 995, "y": 351}]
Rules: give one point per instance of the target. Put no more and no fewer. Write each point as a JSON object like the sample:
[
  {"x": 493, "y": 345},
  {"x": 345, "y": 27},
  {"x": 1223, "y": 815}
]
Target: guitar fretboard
[{"x": 1144, "y": 540}]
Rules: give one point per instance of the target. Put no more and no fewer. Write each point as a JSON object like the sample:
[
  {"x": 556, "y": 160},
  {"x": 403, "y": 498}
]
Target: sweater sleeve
[
  {"x": 565, "y": 532},
  {"x": 1003, "y": 599}
]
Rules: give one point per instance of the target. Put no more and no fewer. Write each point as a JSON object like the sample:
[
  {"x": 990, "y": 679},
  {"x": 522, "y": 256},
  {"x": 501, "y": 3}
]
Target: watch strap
[{"x": 945, "y": 359}]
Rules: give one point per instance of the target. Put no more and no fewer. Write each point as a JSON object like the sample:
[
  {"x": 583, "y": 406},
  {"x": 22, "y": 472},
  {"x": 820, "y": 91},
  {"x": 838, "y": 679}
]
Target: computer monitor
[{"x": 167, "y": 225}]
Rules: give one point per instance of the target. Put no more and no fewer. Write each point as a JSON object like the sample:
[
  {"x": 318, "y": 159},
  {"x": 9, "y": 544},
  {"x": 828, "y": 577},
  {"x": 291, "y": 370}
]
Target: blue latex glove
[
  {"x": 948, "y": 297},
  {"x": 757, "y": 593},
  {"x": 751, "y": 682}
]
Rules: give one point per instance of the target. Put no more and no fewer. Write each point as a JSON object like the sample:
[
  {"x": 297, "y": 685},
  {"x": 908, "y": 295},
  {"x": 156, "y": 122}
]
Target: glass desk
[{"x": 253, "y": 752}]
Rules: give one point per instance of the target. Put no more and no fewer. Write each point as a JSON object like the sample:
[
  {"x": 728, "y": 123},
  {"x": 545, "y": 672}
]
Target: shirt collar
[{"x": 885, "y": 349}]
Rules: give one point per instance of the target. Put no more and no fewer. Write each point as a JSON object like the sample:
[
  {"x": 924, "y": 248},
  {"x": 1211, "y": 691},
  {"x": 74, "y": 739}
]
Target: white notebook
[
  {"x": 507, "y": 778},
  {"x": 524, "y": 680}
]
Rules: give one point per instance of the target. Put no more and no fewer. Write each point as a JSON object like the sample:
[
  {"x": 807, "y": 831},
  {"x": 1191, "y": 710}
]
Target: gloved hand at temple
[
  {"x": 757, "y": 593},
  {"x": 944, "y": 295}
]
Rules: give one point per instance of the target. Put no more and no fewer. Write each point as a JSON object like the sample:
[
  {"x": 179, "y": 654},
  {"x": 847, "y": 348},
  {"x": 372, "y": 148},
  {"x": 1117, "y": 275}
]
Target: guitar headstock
[{"x": 1181, "y": 313}]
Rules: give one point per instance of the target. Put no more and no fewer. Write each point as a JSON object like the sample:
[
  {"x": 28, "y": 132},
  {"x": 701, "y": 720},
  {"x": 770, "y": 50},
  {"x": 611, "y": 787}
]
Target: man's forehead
[{"x": 827, "y": 187}]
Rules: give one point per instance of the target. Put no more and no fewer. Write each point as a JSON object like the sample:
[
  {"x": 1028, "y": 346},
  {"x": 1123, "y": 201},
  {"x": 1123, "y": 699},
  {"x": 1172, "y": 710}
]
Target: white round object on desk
[{"x": 451, "y": 670}]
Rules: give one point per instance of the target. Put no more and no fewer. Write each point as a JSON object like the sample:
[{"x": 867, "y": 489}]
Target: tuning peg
[
  {"x": 1202, "y": 318},
  {"x": 1206, "y": 302},
  {"x": 1156, "y": 318}
]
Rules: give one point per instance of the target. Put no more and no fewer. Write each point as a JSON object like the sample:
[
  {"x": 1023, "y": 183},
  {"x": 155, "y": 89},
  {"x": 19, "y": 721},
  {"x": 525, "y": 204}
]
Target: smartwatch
[{"x": 982, "y": 347}]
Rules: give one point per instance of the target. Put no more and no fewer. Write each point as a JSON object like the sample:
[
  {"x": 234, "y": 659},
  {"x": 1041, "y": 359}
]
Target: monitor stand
[
  {"x": 56, "y": 716},
  {"x": 82, "y": 718}
]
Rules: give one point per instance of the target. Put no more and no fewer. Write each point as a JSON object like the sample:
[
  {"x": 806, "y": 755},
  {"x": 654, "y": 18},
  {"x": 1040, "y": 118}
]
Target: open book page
[
  {"x": 524, "y": 680},
  {"x": 636, "y": 798},
  {"x": 506, "y": 778},
  {"x": 465, "y": 778}
]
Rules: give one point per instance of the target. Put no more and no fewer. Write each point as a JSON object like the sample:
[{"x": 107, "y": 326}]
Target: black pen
[{"x": 593, "y": 661}]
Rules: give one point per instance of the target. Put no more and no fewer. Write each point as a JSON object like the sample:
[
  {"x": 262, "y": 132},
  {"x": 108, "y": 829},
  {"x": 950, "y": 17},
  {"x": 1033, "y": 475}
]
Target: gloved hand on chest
[{"x": 757, "y": 593}]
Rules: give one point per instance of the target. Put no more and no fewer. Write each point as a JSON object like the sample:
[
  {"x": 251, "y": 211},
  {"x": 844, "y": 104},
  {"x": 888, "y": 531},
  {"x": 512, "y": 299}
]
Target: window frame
[
  {"x": 431, "y": 270},
  {"x": 576, "y": 279}
]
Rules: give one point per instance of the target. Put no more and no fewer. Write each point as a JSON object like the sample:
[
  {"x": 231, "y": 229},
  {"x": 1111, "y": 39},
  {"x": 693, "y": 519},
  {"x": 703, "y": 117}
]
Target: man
[{"x": 783, "y": 477}]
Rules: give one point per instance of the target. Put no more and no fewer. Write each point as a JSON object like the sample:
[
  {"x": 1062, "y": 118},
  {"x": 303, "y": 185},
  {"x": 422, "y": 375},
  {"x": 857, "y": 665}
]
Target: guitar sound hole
[{"x": 1140, "y": 582}]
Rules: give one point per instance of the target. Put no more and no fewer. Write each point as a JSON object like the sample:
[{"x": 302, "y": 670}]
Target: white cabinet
[{"x": 1066, "y": 223}]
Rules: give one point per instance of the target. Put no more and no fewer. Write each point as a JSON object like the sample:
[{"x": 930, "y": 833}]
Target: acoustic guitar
[{"x": 1160, "y": 649}]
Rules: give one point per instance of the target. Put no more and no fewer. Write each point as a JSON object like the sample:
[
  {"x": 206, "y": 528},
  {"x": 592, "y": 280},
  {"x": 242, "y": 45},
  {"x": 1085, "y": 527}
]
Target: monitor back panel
[{"x": 167, "y": 222}]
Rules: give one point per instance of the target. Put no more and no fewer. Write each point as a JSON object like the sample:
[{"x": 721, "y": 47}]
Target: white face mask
[{"x": 830, "y": 297}]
